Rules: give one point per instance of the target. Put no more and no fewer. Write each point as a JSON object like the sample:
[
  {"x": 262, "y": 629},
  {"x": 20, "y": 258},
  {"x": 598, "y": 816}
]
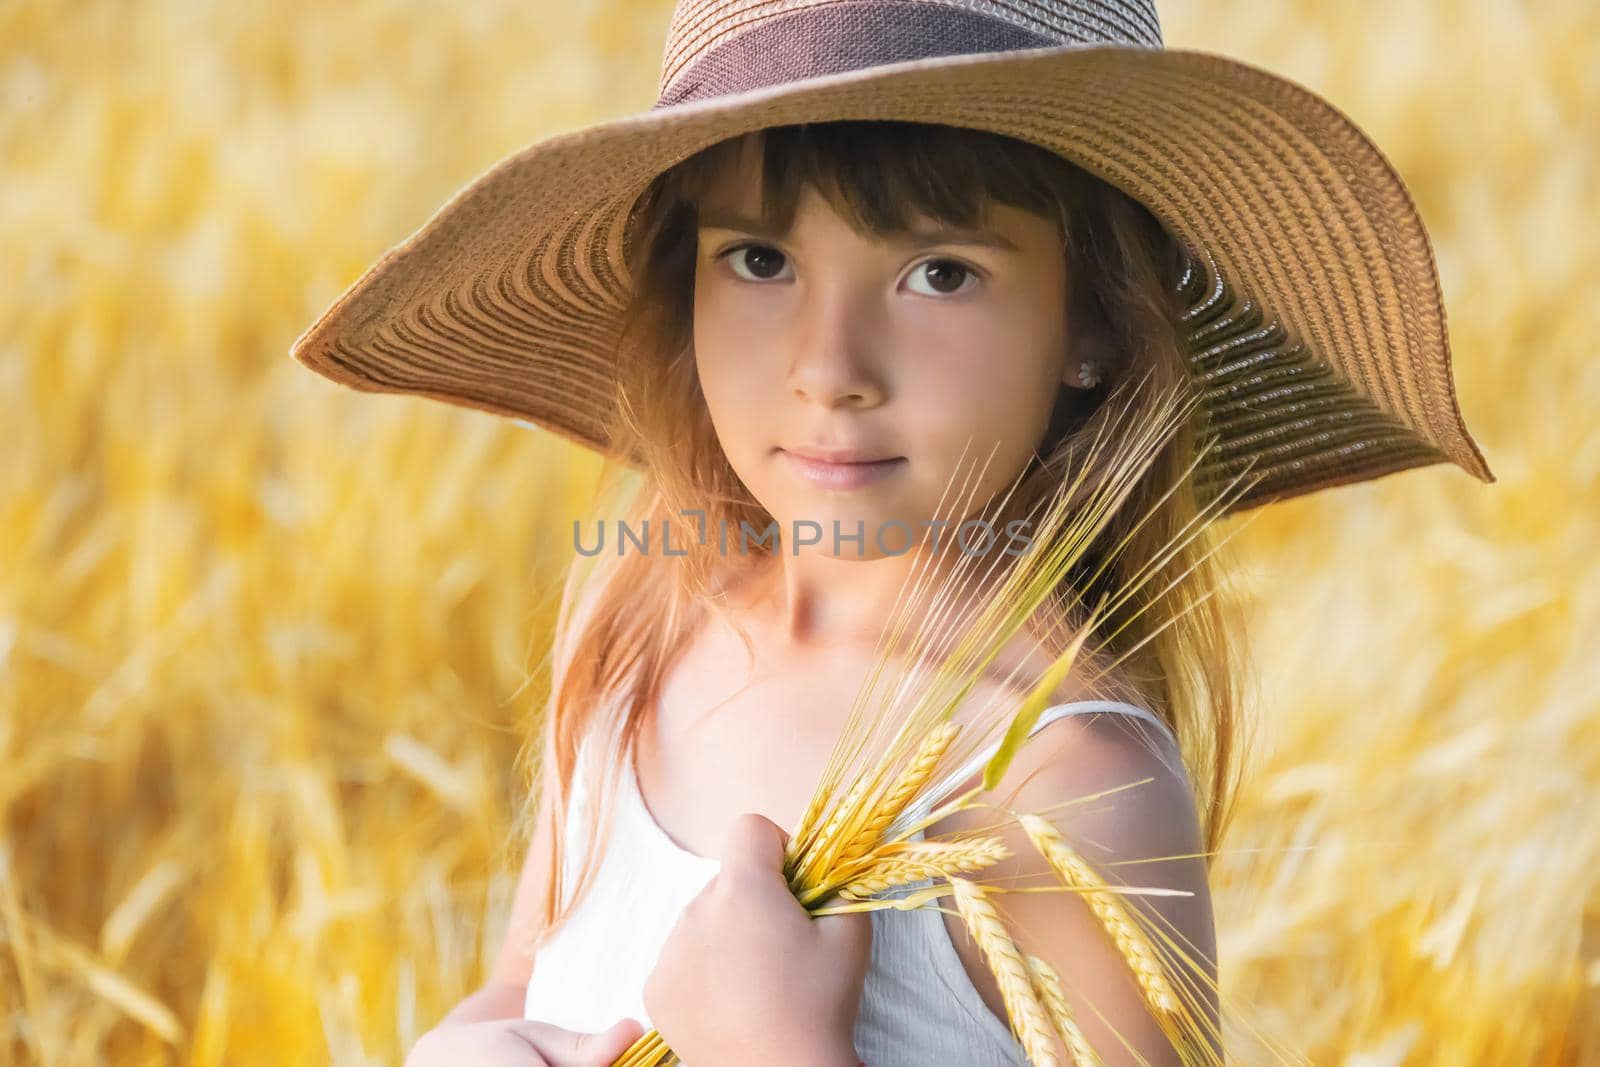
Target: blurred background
[{"x": 269, "y": 648}]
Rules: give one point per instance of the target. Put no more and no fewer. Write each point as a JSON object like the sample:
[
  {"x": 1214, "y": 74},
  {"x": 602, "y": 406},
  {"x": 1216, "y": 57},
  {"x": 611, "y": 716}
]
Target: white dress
[{"x": 918, "y": 1005}]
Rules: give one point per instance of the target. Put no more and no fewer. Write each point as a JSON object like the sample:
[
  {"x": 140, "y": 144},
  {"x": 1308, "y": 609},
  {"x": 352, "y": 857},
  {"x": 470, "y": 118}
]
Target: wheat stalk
[
  {"x": 1047, "y": 983},
  {"x": 1126, "y": 935}
]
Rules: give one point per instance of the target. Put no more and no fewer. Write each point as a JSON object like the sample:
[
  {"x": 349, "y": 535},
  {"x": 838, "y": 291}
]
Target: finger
[
  {"x": 570, "y": 1048},
  {"x": 609, "y": 1045},
  {"x": 848, "y": 933},
  {"x": 754, "y": 842}
]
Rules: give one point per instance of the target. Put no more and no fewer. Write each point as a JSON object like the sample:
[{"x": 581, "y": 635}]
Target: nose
[{"x": 833, "y": 363}]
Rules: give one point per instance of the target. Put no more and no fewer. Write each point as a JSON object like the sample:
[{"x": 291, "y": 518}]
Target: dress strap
[{"x": 972, "y": 766}]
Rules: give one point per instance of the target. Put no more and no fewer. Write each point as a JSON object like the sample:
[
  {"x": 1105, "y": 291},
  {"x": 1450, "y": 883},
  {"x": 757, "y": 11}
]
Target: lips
[
  {"x": 827, "y": 470},
  {"x": 837, "y": 455}
]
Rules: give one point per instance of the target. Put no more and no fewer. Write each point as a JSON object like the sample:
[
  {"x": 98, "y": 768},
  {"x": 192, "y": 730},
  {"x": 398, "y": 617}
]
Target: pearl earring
[{"x": 1088, "y": 374}]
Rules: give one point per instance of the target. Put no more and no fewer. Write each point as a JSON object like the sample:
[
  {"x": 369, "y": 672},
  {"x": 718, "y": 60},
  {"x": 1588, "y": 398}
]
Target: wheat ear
[
  {"x": 925, "y": 859},
  {"x": 911, "y": 781},
  {"x": 1125, "y": 934},
  {"x": 1048, "y": 984},
  {"x": 825, "y": 850},
  {"x": 1028, "y": 1018},
  {"x": 859, "y": 842}
]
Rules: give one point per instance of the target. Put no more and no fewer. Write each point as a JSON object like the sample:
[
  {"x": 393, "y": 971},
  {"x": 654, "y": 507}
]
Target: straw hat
[{"x": 1315, "y": 325}]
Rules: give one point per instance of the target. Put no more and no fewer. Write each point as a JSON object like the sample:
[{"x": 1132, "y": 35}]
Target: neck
[{"x": 813, "y": 601}]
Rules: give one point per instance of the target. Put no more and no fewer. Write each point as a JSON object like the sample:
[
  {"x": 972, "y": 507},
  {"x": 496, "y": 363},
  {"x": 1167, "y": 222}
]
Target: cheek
[
  {"x": 982, "y": 401},
  {"x": 994, "y": 383},
  {"x": 728, "y": 364}
]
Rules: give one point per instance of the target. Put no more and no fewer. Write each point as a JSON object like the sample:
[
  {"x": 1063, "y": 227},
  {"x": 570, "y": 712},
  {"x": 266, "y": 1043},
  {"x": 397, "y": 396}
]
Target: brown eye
[
  {"x": 763, "y": 261},
  {"x": 946, "y": 276}
]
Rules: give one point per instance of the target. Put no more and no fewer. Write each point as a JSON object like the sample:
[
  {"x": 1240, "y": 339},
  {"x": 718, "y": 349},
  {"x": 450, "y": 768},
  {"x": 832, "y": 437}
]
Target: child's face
[{"x": 900, "y": 349}]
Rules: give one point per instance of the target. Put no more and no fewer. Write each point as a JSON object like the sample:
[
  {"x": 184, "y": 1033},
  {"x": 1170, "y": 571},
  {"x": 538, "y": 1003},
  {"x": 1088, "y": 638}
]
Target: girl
[{"x": 851, "y": 242}]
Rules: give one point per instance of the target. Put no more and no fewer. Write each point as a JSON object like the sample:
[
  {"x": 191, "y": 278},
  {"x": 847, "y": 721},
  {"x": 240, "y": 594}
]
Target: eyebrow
[{"x": 951, "y": 235}]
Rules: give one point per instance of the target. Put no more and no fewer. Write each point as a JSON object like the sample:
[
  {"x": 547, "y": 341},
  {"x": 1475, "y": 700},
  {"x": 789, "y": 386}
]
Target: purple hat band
[{"x": 820, "y": 39}]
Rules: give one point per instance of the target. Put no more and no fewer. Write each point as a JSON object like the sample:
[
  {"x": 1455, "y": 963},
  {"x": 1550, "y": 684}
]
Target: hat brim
[{"x": 1319, "y": 334}]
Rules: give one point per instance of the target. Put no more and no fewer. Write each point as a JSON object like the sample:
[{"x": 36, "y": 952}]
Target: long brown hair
[{"x": 623, "y": 619}]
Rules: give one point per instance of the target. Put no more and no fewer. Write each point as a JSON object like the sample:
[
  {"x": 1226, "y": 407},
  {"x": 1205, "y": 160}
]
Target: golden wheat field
[{"x": 269, "y": 648}]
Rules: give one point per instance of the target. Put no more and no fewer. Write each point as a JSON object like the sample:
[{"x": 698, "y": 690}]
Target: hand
[
  {"x": 748, "y": 976},
  {"x": 522, "y": 1043}
]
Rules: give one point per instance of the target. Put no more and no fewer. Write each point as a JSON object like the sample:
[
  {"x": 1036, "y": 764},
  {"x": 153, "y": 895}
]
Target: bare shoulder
[
  {"x": 1113, "y": 787},
  {"x": 1108, "y": 775}
]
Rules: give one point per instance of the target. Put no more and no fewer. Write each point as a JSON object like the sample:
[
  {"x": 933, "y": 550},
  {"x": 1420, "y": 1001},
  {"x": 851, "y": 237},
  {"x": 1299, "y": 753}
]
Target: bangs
[{"x": 885, "y": 177}]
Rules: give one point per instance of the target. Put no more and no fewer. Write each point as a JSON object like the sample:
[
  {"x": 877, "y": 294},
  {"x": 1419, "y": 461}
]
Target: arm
[
  {"x": 487, "y": 1028},
  {"x": 503, "y": 993},
  {"x": 1145, "y": 835},
  {"x": 494, "y": 1000}
]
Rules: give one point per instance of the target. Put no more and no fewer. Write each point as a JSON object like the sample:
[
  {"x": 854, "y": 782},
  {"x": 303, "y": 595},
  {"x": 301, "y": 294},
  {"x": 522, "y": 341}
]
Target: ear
[
  {"x": 1080, "y": 349},
  {"x": 1082, "y": 343}
]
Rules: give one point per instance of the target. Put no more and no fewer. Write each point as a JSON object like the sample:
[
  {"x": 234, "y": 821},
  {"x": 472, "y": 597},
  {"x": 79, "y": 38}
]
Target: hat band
[{"x": 834, "y": 38}]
